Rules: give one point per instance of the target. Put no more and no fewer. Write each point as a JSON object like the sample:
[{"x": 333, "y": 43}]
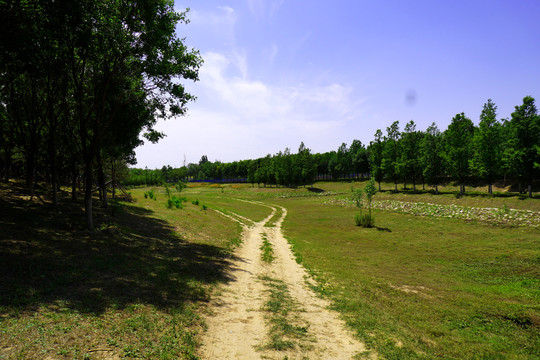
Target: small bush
[
  {"x": 175, "y": 202},
  {"x": 195, "y": 202},
  {"x": 204, "y": 207},
  {"x": 150, "y": 194},
  {"x": 364, "y": 220}
]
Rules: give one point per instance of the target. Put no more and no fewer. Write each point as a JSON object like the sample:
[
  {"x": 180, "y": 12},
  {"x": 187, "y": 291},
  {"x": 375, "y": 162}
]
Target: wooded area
[
  {"x": 507, "y": 150},
  {"x": 81, "y": 80}
]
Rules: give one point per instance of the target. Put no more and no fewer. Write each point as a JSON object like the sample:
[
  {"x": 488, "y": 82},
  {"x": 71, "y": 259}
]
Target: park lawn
[
  {"x": 132, "y": 289},
  {"x": 421, "y": 287},
  {"x": 227, "y": 198}
]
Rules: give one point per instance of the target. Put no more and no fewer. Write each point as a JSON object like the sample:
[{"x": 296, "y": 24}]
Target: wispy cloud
[{"x": 221, "y": 22}]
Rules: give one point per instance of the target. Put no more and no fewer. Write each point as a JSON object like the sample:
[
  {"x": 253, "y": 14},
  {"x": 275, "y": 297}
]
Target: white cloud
[
  {"x": 236, "y": 117},
  {"x": 221, "y": 22}
]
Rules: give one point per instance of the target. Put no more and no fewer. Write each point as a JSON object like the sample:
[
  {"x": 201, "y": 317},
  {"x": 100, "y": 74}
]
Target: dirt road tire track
[{"x": 236, "y": 325}]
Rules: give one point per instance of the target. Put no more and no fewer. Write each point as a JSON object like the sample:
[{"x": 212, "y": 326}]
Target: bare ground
[{"x": 238, "y": 326}]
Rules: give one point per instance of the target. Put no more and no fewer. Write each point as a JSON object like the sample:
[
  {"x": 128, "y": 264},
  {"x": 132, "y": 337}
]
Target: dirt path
[{"x": 239, "y": 326}]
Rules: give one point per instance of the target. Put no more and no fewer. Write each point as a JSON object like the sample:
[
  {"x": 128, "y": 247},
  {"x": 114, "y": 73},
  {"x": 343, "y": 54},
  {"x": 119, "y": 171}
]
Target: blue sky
[{"x": 276, "y": 73}]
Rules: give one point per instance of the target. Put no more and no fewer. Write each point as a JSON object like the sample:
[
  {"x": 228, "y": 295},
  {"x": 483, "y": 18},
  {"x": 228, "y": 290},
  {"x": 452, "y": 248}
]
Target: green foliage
[
  {"x": 180, "y": 185},
  {"x": 431, "y": 157},
  {"x": 150, "y": 194},
  {"x": 458, "y": 149},
  {"x": 204, "y": 207},
  {"x": 176, "y": 202},
  {"x": 487, "y": 145},
  {"x": 364, "y": 220},
  {"x": 195, "y": 202}
]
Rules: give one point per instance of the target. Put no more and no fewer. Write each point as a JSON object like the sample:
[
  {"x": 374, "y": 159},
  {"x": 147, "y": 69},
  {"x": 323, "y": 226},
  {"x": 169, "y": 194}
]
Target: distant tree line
[
  {"x": 507, "y": 149},
  {"x": 81, "y": 81}
]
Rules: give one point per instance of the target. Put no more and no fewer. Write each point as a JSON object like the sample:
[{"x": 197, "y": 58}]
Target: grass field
[
  {"x": 416, "y": 287},
  {"x": 419, "y": 286},
  {"x": 133, "y": 289}
]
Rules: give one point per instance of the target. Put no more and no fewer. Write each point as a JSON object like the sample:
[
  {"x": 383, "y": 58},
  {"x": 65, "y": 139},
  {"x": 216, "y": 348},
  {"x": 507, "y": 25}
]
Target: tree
[
  {"x": 308, "y": 168},
  {"x": 369, "y": 190},
  {"x": 409, "y": 161},
  {"x": 391, "y": 154},
  {"x": 376, "y": 151},
  {"x": 458, "y": 139},
  {"x": 524, "y": 137},
  {"x": 81, "y": 65},
  {"x": 431, "y": 159},
  {"x": 486, "y": 146},
  {"x": 359, "y": 158}
]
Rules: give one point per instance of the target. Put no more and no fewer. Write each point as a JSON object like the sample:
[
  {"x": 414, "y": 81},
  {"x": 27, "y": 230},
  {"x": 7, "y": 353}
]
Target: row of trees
[
  {"x": 507, "y": 149},
  {"x": 81, "y": 80},
  {"x": 495, "y": 149}
]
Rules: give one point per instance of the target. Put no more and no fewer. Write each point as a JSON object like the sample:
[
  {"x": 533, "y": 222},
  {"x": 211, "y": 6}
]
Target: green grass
[
  {"x": 133, "y": 289},
  {"x": 267, "y": 252},
  {"x": 227, "y": 201},
  {"x": 287, "y": 330},
  {"x": 424, "y": 287},
  {"x": 272, "y": 222},
  {"x": 414, "y": 288}
]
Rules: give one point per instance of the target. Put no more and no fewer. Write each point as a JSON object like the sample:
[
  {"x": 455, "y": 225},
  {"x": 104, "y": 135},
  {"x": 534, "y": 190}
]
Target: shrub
[
  {"x": 195, "y": 202},
  {"x": 204, "y": 207},
  {"x": 364, "y": 220},
  {"x": 176, "y": 202}
]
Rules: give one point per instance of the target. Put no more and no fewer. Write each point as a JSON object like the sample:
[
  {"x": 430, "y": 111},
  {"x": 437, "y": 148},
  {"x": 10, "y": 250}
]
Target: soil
[{"x": 237, "y": 325}]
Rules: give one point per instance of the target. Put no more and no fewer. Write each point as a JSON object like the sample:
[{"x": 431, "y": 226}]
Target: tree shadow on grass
[{"x": 47, "y": 258}]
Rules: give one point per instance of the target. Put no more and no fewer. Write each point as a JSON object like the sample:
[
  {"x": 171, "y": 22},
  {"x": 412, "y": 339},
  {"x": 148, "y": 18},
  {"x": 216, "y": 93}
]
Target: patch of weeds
[
  {"x": 195, "y": 202},
  {"x": 267, "y": 250},
  {"x": 204, "y": 207},
  {"x": 287, "y": 330}
]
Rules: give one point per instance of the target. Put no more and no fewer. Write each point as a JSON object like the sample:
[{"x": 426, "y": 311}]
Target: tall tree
[
  {"x": 359, "y": 158},
  {"x": 409, "y": 154},
  {"x": 486, "y": 146},
  {"x": 523, "y": 140},
  {"x": 458, "y": 139},
  {"x": 391, "y": 154},
  {"x": 431, "y": 159},
  {"x": 376, "y": 150}
]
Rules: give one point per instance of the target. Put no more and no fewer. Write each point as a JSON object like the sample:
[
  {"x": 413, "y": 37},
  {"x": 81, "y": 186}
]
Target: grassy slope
[
  {"x": 425, "y": 287},
  {"x": 132, "y": 289}
]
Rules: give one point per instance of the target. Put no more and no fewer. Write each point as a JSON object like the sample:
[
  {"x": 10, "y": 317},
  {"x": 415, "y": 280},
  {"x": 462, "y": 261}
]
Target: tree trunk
[
  {"x": 101, "y": 180},
  {"x": 88, "y": 194},
  {"x": 395, "y": 186},
  {"x": 52, "y": 164},
  {"x": 113, "y": 174},
  {"x": 379, "y": 186},
  {"x": 7, "y": 164},
  {"x": 436, "y": 189},
  {"x": 30, "y": 171},
  {"x": 529, "y": 188},
  {"x": 74, "y": 176},
  {"x": 490, "y": 190}
]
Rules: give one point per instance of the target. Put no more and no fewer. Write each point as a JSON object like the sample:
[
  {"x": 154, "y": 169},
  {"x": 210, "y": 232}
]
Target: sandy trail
[{"x": 237, "y": 328}]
